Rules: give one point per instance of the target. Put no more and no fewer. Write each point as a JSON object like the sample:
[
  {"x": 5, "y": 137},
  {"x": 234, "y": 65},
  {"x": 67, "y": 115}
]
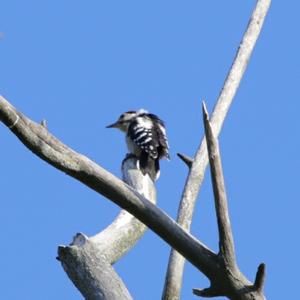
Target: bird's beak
[{"x": 113, "y": 125}]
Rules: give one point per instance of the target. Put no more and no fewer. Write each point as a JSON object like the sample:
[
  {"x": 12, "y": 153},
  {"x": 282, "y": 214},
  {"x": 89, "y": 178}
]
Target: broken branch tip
[
  {"x": 186, "y": 159},
  {"x": 204, "y": 110},
  {"x": 208, "y": 292},
  {"x": 44, "y": 123},
  {"x": 260, "y": 277}
]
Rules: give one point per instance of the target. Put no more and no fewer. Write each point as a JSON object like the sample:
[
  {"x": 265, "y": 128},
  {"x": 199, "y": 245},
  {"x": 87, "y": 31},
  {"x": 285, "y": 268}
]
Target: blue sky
[{"x": 80, "y": 64}]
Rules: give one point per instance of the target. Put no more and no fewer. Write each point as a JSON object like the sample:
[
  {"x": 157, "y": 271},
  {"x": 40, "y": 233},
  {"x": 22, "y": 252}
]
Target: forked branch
[
  {"x": 108, "y": 246},
  {"x": 225, "y": 281},
  {"x": 78, "y": 166},
  {"x": 174, "y": 274},
  {"x": 229, "y": 274}
]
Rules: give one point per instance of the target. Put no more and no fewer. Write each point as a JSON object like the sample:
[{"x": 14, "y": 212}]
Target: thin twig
[
  {"x": 174, "y": 274},
  {"x": 186, "y": 159}
]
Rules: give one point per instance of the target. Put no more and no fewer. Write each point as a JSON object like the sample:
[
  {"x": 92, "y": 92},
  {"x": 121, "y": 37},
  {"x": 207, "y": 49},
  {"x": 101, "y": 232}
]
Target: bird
[{"x": 146, "y": 139}]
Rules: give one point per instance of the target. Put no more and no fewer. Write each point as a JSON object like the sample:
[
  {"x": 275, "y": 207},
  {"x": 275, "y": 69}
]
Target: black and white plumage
[{"x": 146, "y": 139}]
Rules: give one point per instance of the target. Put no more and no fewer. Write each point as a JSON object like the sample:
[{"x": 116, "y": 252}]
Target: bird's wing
[
  {"x": 163, "y": 141},
  {"x": 144, "y": 136},
  {"x": 160, "y": 129}
]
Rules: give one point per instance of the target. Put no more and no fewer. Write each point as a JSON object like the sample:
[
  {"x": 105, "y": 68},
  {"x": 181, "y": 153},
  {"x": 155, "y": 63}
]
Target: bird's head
[{"x": 125, "y": 119}]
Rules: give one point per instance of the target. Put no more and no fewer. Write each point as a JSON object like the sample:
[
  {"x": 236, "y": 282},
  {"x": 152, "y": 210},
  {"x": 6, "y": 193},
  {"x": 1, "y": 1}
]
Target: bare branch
[
  {"x": 120, "y": 236},
  {"x": 50, "y": 149},
  {"x": 227, "y": 281},
  {"x": 192, "y": 187},
  {"x": 226, "y": 243}
]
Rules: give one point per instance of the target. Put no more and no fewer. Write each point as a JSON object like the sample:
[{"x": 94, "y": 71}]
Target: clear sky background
[{"x": 80, "y": 64}]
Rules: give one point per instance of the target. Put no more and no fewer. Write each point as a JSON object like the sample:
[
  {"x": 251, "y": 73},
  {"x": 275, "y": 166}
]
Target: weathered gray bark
[
  {"x": 87, "y": 261},
  {"x": 91, "y": 273},
  {"x": 198, "y": 165},
  {"x": 232, "y": 282},
  {"x": 223, "y": 281},
  {"x": 126, "y": 230}
]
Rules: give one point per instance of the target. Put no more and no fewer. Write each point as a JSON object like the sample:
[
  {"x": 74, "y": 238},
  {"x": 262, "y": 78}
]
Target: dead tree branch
[
  {"x": 50, "y": 149},
  {"x": 108, "y": 246},
  {"x": 226, "y": 244},
  {"x": 174, "y": 274},
  {"x": 225, "y": 280},
  {"x": 231, "y": 274}
]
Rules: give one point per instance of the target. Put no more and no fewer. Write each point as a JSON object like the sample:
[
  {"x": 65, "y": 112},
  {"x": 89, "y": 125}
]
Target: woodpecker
[{"x": 146, "y": 139}]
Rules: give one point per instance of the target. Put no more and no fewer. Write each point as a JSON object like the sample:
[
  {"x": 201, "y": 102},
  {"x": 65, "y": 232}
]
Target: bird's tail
[{"x": 149, "y": 165}]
